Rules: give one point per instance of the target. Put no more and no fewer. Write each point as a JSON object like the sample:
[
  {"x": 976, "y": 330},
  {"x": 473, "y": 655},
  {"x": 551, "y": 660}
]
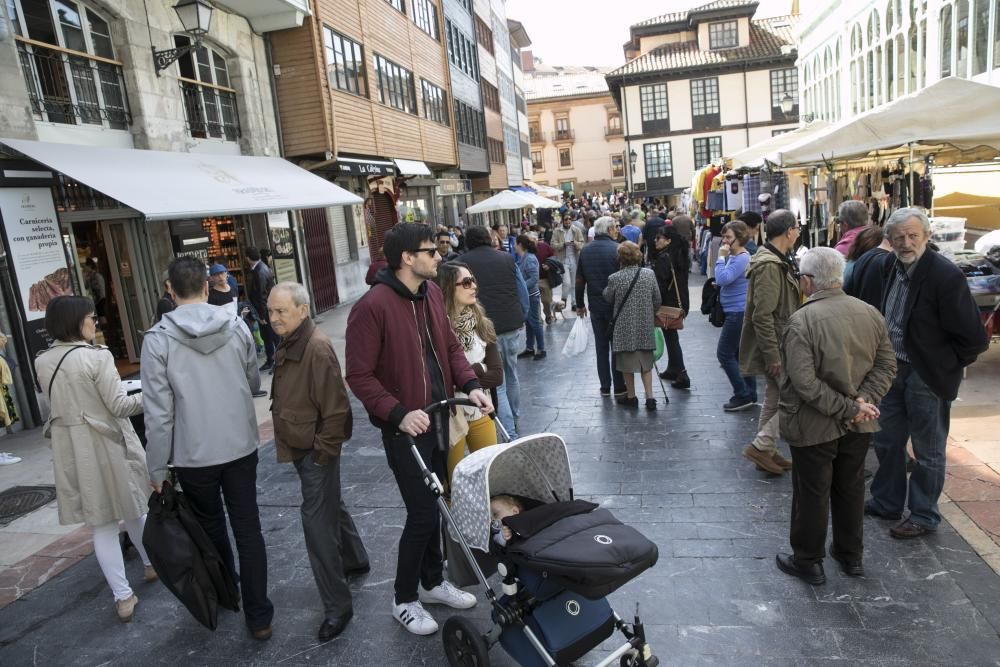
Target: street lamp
[
  {"x": 632, "y": 157},
  {"x": 196, "y": 17},
  {"x": 787, "y": 104}
]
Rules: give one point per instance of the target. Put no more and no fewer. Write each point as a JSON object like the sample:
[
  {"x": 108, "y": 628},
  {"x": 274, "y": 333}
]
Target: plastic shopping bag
[
  {"x": 661, "y": 344},
  {"x": 579, "y": 337}
]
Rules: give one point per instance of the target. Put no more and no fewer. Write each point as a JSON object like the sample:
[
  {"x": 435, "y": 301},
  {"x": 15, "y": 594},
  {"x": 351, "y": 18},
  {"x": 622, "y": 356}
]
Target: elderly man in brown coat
[
  {"x": 838, "y": 364},
  {"x": 312, "y": 420}
]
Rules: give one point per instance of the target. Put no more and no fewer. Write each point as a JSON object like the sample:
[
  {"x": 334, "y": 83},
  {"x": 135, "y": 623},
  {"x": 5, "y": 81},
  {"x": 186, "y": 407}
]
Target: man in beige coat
[
  {"x": 567, "y": 242},
  {"x": 772, "y": 296},
  {"x": 838, "y": 364},
  {"x": 312, "y": 420}
]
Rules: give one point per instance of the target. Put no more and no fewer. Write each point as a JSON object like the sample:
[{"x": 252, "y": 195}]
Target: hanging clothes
[
  {"x": 751, "y": 191},
  {"x": 734, "y": 192}
]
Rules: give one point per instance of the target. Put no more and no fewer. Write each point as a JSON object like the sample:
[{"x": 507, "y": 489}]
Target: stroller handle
[{"x": 437, "y": 406}]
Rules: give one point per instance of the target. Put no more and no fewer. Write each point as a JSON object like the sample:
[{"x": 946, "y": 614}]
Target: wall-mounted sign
[
  {"x": 278, "y": 219},
  {"x": 359, "y": 167},
  {"x": 454, "y": 186}
]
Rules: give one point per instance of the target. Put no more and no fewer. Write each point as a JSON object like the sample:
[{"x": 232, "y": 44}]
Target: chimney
[{"x": 527, "y": 61}]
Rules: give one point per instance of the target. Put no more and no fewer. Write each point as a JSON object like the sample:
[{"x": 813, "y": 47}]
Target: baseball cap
[{"x": 216, "y": 269}]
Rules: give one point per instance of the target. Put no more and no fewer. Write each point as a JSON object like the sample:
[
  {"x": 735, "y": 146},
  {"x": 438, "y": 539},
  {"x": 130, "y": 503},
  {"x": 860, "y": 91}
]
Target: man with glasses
[
  {"x": 773, "y": 294},
  {"x": 444, "y": 247},
  {"x": 401, "y": 356}
]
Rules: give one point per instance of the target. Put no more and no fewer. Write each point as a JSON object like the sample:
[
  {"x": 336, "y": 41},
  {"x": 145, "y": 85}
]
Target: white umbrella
[
  {"x": 538, "y": 201},
  {"x": 503, "y": 201}
]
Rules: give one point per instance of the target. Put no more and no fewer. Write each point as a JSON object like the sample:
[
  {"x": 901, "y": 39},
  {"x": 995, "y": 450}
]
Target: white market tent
[
  {"x": 772, "y": 149},
  {"x": 545, "y": 190},
  {"x": 953, "y": 112},
  {"x": 511, "y": 200}
]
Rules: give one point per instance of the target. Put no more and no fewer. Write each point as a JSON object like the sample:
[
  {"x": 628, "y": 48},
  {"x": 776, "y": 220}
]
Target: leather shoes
[
  {"x": 852, "y": 568},
  {"x": 812, "y": 574},
  {"x": 358, "y": 571},
  {"x": 907, "y": 530},
  {"x": 870, "y": 510},
  {"x": 334, "y": 626},
  {"x": 263, "y": 634}
]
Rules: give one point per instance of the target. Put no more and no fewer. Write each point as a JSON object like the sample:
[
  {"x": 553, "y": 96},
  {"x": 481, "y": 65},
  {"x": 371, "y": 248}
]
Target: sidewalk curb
[{"x": 985, "y": 547}]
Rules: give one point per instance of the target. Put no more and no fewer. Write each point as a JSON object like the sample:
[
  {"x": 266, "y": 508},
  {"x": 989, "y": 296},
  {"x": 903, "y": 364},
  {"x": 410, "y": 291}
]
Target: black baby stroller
[{"x": 564, "y": 557}]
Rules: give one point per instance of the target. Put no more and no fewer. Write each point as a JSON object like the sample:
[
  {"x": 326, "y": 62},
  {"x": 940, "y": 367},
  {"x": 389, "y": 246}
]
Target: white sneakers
[
  {"x": 417, "y": 620},
  {"x": 6, "y": 459},
  {"x": 446, "y": 593}
]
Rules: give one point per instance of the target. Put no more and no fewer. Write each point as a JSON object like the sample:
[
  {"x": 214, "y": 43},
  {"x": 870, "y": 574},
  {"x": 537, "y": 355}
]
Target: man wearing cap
[{"x": 220, "y": 293}]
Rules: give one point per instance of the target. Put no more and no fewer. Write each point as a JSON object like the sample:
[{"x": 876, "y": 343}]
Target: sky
[{"x": 591, "y": 32}]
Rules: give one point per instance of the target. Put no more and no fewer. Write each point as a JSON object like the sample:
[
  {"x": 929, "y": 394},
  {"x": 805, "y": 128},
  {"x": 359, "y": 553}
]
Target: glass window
[
  {"x": 723, "y": 35},
  {"x": 565, "y": 157},
  {"x": 657, "y": 160},
  {"x": 70, "y": 25},
  {"x": 653, "y": 102},
  {"x": 398, "y": 4},
  {"x": 345, "y": 63},
  {"x": 435, "y": 102},
  {"x": 996, "y": 36},
  {"x": 536, "y": 159},
  {"x": 425, "y": 16},
  {"x": 395, "y": 85},
  {"x": 617, "y": 166},
  {"x": 100, "y": 35},
  {"x": 784, "y": 82},
  {"x": 707, "y": 149},
  {"x": 484, "y": 35},
  {"x": 704, "y": 96},
  {"x": 962, "y": 38},
  {"x": 462, "y": 51},
  {"x": 946, "y": 41}
]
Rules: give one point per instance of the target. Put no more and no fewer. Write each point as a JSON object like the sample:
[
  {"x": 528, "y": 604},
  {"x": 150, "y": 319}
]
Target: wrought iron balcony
[
  {"x": 72, "y": 87},
  {"x": 210, "y": 111},
  {"x": 613, "y": 131},
  {"x": 536, "y": 136},
  {"x": 564, "y": 135}
]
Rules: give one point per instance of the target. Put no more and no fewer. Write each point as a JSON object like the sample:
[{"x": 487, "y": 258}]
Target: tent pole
[{"x": 913, "y": 193}]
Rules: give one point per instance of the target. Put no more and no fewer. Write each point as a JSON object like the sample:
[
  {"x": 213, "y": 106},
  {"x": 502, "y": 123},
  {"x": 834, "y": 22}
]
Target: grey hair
[
  {"x": 634, "y": 215},
  {"x": 298, "y": 292},
  {"x": 825, "y": 265},
  {"x": 901, "y": 215},
  {"x": 604, "y": 224},
  {"x": 854, "y": 213}
]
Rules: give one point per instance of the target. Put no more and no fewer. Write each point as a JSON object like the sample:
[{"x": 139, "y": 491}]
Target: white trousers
[{"x": 108, "y": 550}]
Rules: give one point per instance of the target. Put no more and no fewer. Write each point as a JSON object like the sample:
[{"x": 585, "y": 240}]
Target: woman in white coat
[{"x": 100, "y": 467}]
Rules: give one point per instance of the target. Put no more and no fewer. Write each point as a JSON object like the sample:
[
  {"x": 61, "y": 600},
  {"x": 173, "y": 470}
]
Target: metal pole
[{"x": 913, "y": 193}]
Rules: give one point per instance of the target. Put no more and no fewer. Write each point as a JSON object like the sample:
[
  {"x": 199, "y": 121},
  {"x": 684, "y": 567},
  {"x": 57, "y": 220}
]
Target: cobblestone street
[{"x": 715, "y": 597}]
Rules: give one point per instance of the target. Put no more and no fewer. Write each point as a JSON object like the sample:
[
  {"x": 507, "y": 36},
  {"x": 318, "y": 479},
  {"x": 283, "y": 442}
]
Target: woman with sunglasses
[
  {"x": 479, "y": 340},
  {"x": 99, "y": 464}
]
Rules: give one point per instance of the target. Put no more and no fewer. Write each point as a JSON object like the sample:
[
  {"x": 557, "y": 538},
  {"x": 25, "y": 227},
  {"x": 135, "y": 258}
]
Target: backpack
[
  {"x": 711, "y": 303},
  {"x": 556, "y": 271}
]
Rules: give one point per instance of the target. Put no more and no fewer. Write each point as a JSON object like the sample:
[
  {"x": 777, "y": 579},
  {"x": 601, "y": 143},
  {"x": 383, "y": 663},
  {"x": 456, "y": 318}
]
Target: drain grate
[{"x": 19, "y": 500}]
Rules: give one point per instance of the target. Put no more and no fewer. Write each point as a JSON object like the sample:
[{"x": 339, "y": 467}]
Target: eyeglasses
[
  {"x": 806, "y": 275},
  {"x": 467, "y": 283},
  {"x": 93, "y": 317},
  {"x": 429, "y": 251}
]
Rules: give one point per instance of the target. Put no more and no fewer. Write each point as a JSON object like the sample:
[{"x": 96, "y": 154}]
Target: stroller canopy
[{"x": 535, "y": 466}]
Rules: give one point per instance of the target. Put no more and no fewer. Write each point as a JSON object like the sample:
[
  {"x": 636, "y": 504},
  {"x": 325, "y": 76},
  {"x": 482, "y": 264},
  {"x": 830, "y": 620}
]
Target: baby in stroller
[{"x": 501, "y": 507}]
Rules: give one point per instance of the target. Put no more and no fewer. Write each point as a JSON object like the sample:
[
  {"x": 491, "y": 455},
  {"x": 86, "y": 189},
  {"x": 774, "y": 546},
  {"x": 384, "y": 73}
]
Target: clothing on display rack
[
  {"x": 8, "y": 413},
  {"x": 751, "y": 192},
  {"x": 734, "y": 191}
]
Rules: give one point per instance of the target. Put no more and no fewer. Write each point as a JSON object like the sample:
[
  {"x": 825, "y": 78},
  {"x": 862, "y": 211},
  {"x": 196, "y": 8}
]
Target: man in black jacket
[
  {"x": 259, "y": 283},
  {"x": 935, "y": 331},
  {"x": 858, "y": 284},
  {"x": 598, "y": 260},
  {"x": 497, "y": 277}
]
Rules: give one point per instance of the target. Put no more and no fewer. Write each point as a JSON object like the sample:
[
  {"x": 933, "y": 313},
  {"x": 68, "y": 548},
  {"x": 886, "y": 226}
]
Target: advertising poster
[{"x": 36, "y": 253}]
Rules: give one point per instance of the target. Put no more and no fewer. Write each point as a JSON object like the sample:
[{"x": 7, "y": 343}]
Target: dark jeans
[
  {"x": 419, "y": 559},
  {"x": 911, "y": 411},
  {"x": 600, "y": 320},
  {"x": 533, "y": 326},
  {"x": 675, "y": 357},
  {"x": 271, "y": 341},
  {"x": 332, "y": 540},
  {"x": 235, "y": 483},
  {"x": 728, "y": 354},
  {"x": 829, "y": 480}
]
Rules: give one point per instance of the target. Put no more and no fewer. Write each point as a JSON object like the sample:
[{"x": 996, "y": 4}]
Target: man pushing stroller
[{"x": 402, "y": 355}]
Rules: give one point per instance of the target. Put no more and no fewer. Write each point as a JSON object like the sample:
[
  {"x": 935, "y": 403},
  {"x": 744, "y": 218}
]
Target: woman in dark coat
[{"x": 673, "y": 263}]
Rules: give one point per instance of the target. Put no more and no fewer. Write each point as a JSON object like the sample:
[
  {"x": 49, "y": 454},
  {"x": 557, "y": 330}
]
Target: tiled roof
[
  {"x": 676, "y": 17},
  {"x": 767, "y": 37},
  {"x": 567, "y": 85}
]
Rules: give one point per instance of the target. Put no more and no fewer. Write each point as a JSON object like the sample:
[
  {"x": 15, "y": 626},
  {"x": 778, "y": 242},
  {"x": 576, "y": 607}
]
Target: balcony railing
[
  {"x": 210, "y": 110},
  {"x": 613, "y": 131},
  {"x": 72, "y": 87},
  {"x": 563, "y": 135},
  {"x": 536, "y": 137}
]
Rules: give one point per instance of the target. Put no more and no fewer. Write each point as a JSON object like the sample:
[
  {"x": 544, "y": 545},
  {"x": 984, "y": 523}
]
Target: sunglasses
[
  {"x": 467, "y": 283},
  {"x": 429, "y": 251}
]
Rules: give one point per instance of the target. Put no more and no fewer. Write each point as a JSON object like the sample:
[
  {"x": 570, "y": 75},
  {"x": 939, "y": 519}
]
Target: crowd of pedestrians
[{"x": 443, "y": 318}]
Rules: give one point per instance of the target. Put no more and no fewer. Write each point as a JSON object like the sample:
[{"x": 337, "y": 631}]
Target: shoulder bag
[
  {"x": 670, "y": 317},
  {"x": 45, "y": 400},
  {"x": 628, "y": 293}
]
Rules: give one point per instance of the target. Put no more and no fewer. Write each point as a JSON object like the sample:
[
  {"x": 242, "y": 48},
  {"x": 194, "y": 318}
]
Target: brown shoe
[
  {"x": 781, "y": 460},
  {"x": 126, "y": 608},
  {"x": 263, "y": 634},
  {"x": 763, "y": 460},
  {"x": 149, "y": 575},
  {"x": 907, "y": 530}
]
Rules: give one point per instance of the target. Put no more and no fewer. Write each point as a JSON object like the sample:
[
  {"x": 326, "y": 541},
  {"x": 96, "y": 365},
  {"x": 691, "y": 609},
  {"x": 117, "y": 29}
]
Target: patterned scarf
[{"x": 465, "y": 328}]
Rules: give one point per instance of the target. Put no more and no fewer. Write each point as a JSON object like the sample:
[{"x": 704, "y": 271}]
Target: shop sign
[
  {"x": 455, "y": 186},
  {"x": 36, "y": 254},
  {"x": 278, "y": 219},
  {"x": 365, "y": 168}
]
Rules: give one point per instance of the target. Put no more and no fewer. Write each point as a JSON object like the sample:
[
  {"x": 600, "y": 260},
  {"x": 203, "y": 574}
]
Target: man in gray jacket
[
  {"x": 210, "y": 436},
  {"x": 838, "y": 364}
]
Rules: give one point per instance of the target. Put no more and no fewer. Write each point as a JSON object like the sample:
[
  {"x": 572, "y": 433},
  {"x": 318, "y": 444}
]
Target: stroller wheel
[{"x": 464, "y": 644}]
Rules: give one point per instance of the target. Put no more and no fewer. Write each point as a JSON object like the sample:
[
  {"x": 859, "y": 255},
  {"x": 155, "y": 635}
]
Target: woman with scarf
[{"x": 479, "y": 340}]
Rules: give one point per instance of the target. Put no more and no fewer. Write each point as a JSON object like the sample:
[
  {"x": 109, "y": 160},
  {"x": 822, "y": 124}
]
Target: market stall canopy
[
  {"x": 544, "y": 190},
  {"x": 951, "y": 111},
  {"x": 412, "y": 167},
  {"x": 508, "y": 200},
  {"x": 771, "y": 150},
  {"x": 539, "y": 201},
  {"x": 165, "y": 185}
]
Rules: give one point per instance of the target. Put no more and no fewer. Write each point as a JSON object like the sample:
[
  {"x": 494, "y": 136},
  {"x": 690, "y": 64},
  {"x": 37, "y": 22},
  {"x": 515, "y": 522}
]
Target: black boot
[{"x": 682, "y": 381}]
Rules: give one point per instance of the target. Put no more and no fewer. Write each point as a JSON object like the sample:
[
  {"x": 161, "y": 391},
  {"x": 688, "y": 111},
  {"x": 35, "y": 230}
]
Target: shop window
[
  {"x": 707, "y": 149},
  {"x": 435, "y": 102},
  {"x": 425, "y": 16},
  {"x": 705, "y": 103},
  {"x": 395, "y": 85},
  {"x": 723, "y": 35},
  {"x": 209, "y": 103},
  {"x": 653, "y": 106},
  {"x": 617, "y": 165},
  {"x": 345, "y": 62},
  {"x": 86, "y": 87},
  {"x": 565, "y": 158}
]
